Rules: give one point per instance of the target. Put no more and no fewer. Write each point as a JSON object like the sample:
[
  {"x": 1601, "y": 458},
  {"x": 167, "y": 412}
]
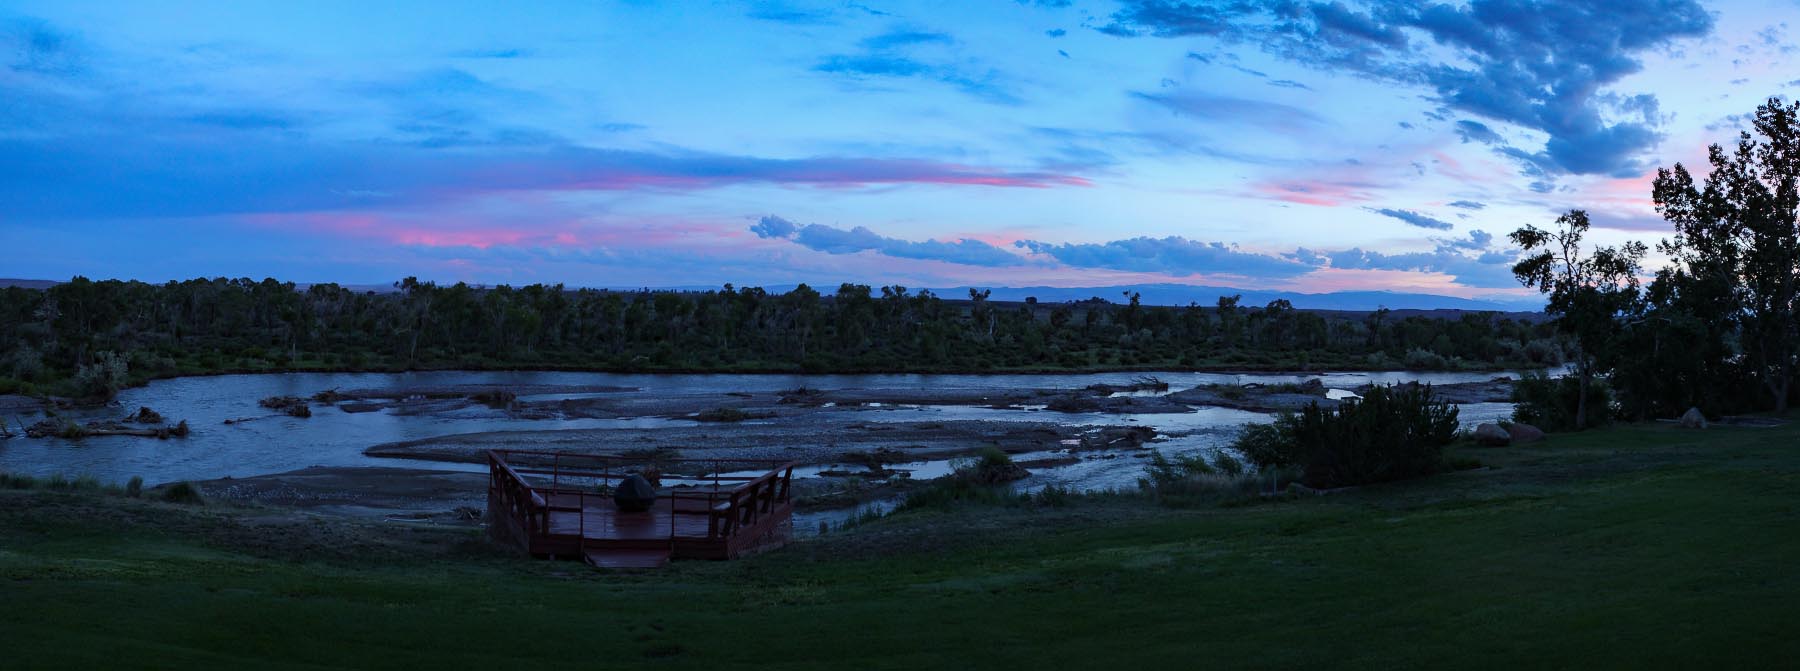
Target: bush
[
  {"x": 1392, "y": 433},
  {"x": 1422, "y": 359},
  {"x": 1054, "y": 496},
  {"x": 1189, "y": 480},
  {"x": 184, "y": 493},
  {"x": 135, "y": 487},
  {"x": 1192, "y": 481},
  {"x": 1549, "y": 403},
  {"x": 975, "y": 480},
  {"x": 101, "y": 379},
  {"x": 951, "y": 489}
]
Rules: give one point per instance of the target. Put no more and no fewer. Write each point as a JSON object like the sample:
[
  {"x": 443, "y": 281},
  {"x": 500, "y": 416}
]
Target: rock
[
  {"x": 1524, "y": 433},
  {"x": 634, "y": 494},
  {"x": 1693, "y": 419},
  {"x": 1491, "y": 435}
]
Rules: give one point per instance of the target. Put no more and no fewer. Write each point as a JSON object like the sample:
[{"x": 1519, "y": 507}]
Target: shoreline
[{"x": 553, "y": 368}]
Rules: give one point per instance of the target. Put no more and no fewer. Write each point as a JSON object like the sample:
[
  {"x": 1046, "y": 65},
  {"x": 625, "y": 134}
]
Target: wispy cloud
[
  {"x": 1222, "y": 109},
  {"x": 894, "y": 55},
  {"x": 1413, "y": 218},
  {"x": 833, "y": 240}
]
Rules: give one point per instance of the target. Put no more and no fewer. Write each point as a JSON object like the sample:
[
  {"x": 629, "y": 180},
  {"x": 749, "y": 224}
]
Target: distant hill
[
  {"x": 1150, "y": 294},
  {"x": 1182, "y": 294},
  {"x": 27, "y": 284}
]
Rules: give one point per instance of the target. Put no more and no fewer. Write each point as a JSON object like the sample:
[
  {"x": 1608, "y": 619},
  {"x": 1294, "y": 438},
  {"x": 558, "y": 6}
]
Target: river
[{"x": 333, "y": 438}]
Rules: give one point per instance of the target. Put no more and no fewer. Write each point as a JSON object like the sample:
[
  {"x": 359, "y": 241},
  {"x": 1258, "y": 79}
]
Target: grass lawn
[{"x": 1642, "y": 546}]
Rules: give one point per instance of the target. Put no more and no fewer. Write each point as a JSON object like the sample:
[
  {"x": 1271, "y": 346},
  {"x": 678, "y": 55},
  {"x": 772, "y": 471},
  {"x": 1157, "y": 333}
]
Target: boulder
[
  {"x": 1491, "y": 435},
  {"x": 634, "y": 494},
  {"x": 1524, "y": 433},
  {"x": 1693, "y": 419}
]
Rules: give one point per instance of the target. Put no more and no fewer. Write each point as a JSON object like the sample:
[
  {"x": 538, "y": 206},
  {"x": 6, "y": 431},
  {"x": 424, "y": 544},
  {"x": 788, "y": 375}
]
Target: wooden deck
[{"x": 553, "y": 505}]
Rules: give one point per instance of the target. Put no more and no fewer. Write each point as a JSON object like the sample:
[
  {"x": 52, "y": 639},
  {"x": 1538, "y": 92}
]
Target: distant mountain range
[
  {"x": 1182, "y": 294},
  {"x": 1150, "y": 294}
]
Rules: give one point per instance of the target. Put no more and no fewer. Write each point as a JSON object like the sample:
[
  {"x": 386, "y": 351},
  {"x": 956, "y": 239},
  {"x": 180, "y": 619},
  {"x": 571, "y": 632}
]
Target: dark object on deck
[
  {"x": 634, "y": 494},
  {"x": 545, "y": 504}
]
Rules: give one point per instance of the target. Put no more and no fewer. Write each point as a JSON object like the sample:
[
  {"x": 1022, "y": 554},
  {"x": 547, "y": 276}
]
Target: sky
[{"x": 1298, "y": 146}]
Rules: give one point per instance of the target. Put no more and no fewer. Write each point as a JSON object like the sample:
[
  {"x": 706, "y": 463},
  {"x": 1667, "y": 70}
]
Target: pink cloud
[
  {"x": 450, "y": 231},
  {"x": 1307, "y": 192}
]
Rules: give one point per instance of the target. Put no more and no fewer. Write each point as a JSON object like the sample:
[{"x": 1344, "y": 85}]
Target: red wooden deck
[{"x": 552, "y": 505}]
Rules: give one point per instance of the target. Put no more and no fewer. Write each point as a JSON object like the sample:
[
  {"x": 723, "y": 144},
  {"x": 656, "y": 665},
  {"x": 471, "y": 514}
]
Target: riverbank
[{"x": 1640, "y": 546}]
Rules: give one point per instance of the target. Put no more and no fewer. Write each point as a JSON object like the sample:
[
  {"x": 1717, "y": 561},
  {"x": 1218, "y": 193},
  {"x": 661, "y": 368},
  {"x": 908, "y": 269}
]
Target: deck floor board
[{"x": 599, "y": 519}]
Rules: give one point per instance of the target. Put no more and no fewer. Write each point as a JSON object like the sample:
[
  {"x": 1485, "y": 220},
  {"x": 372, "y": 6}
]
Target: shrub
[
  {"x": 1422, "y": 359},
  {"x": 1392, "y": 433},
  {"x": 1549, "y": 403},
  {"x": 1162, "y": 470},
  {"x": 951, "y": 489},
  {"x": 1054, "y": 496},
  {"x": 135, "y": 487},
  {"x": 101, "y": 379},
  {"x": 72, "y": 430},
  {"x": 184, "y": 493},
  {"x": 975, "y": 480},
  {"x": 1227, "y": 464},
  {"x": 1190, "y": 480}
]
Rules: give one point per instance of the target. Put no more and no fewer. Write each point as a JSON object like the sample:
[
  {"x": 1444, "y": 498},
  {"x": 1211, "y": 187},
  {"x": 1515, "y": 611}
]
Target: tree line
[
  {"x": 87, "y": 338},
  {"x": 1718, "y": 328}
]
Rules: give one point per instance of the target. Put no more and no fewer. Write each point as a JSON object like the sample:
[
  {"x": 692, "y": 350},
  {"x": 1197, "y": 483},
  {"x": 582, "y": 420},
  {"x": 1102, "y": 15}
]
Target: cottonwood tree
[
  {"x": 1737, "y": 242},
  {"x": 1587, "y": 291}
]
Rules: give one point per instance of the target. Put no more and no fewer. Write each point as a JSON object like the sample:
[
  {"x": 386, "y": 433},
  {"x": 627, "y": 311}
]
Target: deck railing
[{"x": 732, "y": 501}]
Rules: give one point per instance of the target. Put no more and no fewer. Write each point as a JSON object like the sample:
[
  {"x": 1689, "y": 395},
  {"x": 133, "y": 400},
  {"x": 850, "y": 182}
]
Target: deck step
[{"x": 622, "y": 558}]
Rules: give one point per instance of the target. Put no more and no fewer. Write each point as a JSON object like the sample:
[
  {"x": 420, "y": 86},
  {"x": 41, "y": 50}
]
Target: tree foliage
[
  {"x": 1587, "y": 289},
  {"x": 47, "y": 336},
  {"x": 1738, "y": 246}
]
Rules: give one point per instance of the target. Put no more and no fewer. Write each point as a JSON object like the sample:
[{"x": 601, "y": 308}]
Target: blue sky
[{"x": 1268, "y": 145}]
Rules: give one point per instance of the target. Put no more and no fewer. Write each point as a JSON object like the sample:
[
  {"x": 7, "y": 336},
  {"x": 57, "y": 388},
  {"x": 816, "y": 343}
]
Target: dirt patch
[
  {"x": 804, "y": 441},
  {"x": 360, "y": 492}
]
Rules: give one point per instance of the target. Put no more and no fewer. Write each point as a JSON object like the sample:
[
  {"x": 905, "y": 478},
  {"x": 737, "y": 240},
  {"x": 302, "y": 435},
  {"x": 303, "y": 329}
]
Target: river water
[{"x": 333, "y": 438}]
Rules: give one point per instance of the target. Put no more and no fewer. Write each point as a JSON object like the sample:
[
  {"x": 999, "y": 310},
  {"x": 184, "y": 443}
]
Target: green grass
[{"x": 1633, "y": 547}]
